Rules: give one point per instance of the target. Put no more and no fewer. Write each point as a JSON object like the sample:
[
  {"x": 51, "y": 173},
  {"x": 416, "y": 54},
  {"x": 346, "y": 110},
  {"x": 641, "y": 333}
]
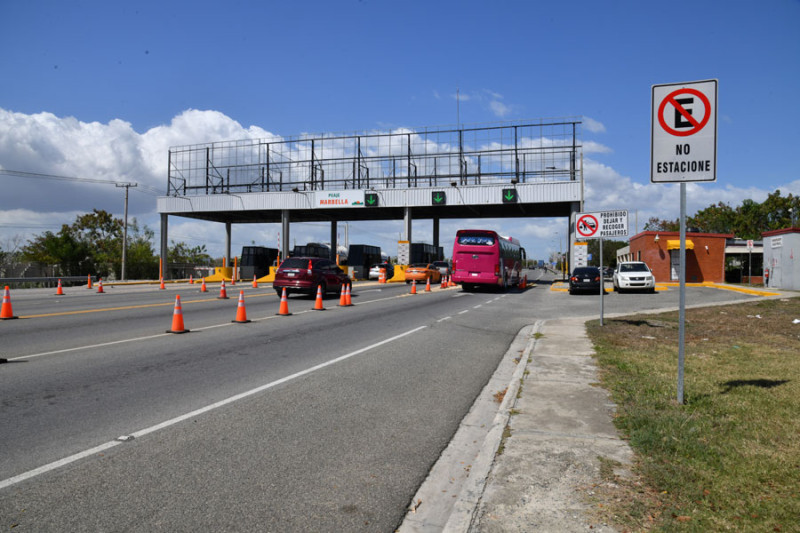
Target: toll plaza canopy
[{"x": 518, "y": 169}]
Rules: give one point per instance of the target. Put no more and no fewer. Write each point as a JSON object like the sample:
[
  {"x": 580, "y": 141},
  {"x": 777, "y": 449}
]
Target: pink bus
[{"x": 484, "y": 258}]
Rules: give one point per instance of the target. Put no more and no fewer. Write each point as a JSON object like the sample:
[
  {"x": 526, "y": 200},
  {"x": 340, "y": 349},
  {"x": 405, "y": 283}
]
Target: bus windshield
[{"x": 475, "y": 239}]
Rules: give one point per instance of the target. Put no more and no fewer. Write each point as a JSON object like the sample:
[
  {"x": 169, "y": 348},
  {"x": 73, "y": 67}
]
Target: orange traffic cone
[
  {"x": 348, "y": 301},
  {"x": 428, "y": 285},
  {"x": 241, "y": 312},
  {"x": 382, "y": 275},
  {"x": 318, "y": 303},
  {"x": 283, "y": 310},
  {"x": 255, "y": 282},
  {"x": 191, "y": 280},
  {"x": 223, "y": 294},
  {"x": 233, "y": 281},
  {"x": 203, "y": 287},
  {"x": 6, "y": 313},
  {"x": 414, "y": 286},
  {"x": 100, "y": 286},
  {"x": 177, "y": 317},
  {"x": 161, "y": 285},
  {"x": 89, "y": 283},
  {"x": 343, "y": 296},
  {"x": 59, "y": 290}
]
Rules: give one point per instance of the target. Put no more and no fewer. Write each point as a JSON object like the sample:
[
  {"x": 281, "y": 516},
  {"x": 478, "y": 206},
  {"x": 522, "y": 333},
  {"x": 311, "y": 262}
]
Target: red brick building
[{"x": 705, "y": 255}]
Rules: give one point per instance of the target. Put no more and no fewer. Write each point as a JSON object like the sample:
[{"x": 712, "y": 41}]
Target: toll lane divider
[
  {"x": 193, "y": 414},
  {"x": 165, "y": 334}
]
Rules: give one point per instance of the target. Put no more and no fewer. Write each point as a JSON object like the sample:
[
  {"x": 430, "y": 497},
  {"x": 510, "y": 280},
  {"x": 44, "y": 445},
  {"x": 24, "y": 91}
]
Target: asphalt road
[{"x": 319, "y": 421}]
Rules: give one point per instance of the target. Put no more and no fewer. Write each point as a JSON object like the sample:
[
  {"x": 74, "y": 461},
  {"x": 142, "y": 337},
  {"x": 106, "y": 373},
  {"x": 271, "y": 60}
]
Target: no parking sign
[{"x": 684, "y": 132}]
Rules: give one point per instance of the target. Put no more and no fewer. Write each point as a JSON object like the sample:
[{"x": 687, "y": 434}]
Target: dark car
[
  {"x": 585, "y": 279},
  {"x": 305, "y": 274}
]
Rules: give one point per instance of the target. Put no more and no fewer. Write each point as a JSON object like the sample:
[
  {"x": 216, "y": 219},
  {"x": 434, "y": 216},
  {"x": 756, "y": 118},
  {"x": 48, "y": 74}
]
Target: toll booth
[
  {"x": 256, "y": 261},
  {"x": 361, "y": 257},
  {"x": 424, "y": 253},
  {"x": 312, "y": 249}
]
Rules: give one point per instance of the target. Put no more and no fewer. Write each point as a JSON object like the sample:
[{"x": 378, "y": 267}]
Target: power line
[{"x": 38, "y": 175}]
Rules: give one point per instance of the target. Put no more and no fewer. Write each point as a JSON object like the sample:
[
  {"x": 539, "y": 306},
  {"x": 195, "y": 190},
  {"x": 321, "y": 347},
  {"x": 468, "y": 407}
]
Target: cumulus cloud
[
  {"x": 593, "y": 126},
  {"x": 43, "y": 143},
  {"x": 499, "y": 108}
]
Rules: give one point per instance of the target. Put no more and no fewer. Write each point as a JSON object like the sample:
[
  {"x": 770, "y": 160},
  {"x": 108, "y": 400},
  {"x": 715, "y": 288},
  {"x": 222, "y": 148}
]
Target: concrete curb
[{"x": 433, "y": 508}]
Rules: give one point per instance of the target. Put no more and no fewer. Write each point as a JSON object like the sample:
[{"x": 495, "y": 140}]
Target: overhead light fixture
[
  {"x": 656, "y": 238},
  {"x": 295, "y": 189},
  {"x": 453, "y": 183},
  {"x": 514, "y": 181}
]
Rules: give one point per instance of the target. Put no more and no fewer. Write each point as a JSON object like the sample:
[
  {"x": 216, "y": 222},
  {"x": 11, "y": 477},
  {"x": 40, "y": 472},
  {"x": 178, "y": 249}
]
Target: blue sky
[{"x": 101, "y": 90}]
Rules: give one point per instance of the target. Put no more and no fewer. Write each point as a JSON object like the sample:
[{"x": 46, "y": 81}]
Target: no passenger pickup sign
[
  {"x": 602, "y": 224},
  {"x": 683, "y": 132}
]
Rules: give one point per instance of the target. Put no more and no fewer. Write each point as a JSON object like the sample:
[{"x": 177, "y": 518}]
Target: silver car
[{"x": 443, "y": 266}]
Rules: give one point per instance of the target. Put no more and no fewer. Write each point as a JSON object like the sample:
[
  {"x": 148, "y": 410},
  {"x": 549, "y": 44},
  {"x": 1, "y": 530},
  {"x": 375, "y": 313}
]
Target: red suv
[{"x": 305, "y": 274}]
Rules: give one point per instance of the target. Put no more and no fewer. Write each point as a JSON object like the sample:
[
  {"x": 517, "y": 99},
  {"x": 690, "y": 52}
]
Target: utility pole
[{"x": 125, "y": 226}]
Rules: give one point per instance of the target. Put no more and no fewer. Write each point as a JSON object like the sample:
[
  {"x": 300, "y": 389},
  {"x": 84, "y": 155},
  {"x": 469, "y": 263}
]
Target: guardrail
[{"x": 49, "y": 279}]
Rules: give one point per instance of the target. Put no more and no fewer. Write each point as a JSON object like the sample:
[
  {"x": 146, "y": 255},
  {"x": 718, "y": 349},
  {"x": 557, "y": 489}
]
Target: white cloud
[
  {"x": 499, "y": 108},
  {"x": 593, "y": 125},
  {"x": 591, "y": 147}
]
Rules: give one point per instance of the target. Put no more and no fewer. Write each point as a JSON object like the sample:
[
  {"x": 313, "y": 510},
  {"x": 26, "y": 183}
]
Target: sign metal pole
[
  {"x": 602, "y": 282},
  {"x": 682, "y": 304}
]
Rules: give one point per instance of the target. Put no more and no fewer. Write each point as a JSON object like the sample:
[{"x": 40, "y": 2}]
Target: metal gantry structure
[{"x": 523, "y": 152}]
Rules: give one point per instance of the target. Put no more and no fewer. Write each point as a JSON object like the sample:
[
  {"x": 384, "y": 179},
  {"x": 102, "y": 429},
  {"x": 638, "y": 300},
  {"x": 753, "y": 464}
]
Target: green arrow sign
[
  {"x": 509, "y": 196},
  {"x": 439, "y": 198},
  {"x": 371, "y": 199}
]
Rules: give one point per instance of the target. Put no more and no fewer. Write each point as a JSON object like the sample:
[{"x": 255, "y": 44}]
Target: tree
[
  {"x": 104, "y": 232},
  {"x": 181, "y": 253},
  {"x": 140, "y": 260},
  {"x": 93, "y": 245},
  {"x": 72, "y": 256},
  {"x": 656, "y": 224},
  {"x": 609, "y": 251},
  {"x": 720, "y": 218}
]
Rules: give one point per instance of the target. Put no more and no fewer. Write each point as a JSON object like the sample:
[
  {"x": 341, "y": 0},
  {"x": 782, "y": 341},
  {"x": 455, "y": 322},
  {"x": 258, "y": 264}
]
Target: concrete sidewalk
[
  {"x": 554, "y": 426},
  {"x": 560, "y": 428}
]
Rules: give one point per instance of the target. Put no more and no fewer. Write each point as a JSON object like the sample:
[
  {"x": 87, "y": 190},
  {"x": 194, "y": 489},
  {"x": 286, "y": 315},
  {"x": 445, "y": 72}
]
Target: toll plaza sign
[
  {"x": 344, "y": 198},
  {"x": 602, "y": 224},
  {"x": 683, "y": 132}
]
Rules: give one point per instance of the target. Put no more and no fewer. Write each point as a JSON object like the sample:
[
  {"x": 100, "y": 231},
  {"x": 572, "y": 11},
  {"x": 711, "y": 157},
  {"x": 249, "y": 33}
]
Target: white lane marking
[
  {"x": 464, "y": 311},
  {"x": 65, "y": 350},
  {"x": 445, "y": 318},
  {"x": 477, "y": 306},
  {"x": 57, "y": 464},
  {"x": 97, "y": 449}
]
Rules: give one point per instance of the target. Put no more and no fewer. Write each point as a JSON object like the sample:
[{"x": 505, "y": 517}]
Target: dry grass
[{"x": 729, "y": 459}]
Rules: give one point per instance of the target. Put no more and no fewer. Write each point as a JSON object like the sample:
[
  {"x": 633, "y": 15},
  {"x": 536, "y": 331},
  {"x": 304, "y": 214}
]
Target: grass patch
[{"x": 729, "y": 459}]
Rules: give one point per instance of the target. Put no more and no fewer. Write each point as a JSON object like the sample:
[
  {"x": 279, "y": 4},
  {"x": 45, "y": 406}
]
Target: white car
[
  {"x": 375, "y": 271},
  {"x": 634, "y": 275}
]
